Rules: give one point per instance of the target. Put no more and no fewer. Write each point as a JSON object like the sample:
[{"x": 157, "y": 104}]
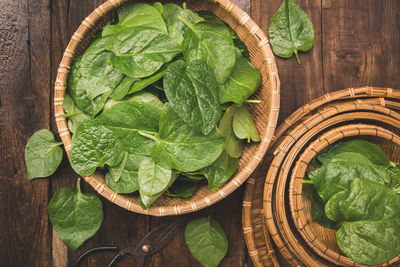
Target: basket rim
[
  {"x": 248, "y": 211},
  {"x": 234, "y": 182},
  {"x": 298, "y": 212}
]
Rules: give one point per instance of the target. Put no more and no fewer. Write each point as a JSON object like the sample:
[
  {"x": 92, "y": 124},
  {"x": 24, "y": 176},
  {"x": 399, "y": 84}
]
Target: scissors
[{"x": 150, "y": 244}]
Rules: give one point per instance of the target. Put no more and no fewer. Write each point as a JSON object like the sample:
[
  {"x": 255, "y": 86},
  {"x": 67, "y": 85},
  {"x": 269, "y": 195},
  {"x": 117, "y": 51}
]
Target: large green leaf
[
  {"x": 207, "y": 241},
  {"x": 290, "y": 30},
  {"x": 126, "y": 118},
  {"x": 180, "y": 147},
  {"x": 75, "y": 216},
  {"x": 77, "y": 87},
  {"x": 141, "y": 96},
  {"x": 136, "y": 15},
  {"x": 93, "y": 146},
  {"x": 212, "y": 43},
  {"x": 43, "y": 154},
  {"x": 369, "y": 214},
  {"x": 140, "y": 51},
  {"x": 242, "y": 83},
  {"x": 193, "y": 94}
]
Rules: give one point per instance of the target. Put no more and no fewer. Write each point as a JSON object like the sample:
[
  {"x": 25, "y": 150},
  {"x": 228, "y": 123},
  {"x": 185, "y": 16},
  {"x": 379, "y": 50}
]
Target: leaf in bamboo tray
[
  {"x": 143, "y": 83},
  {"x": 75, "y": 216},
  {"x": 193, "y": 94},
  {"x": 180, "y": 147},
  {"x": 206, "y": 241},
  {"x": 290, "y": 31},
  {"x": 369, "y": 218},
  {"x": 136, "y": 15},
  {"x": 77, "y": 86},
  {"x": 212, "y": 43},
  {"x": 43, "y": 154},
  {"x": 221, "y": 170},
  {"x": 233, "y": 146},
  {"x": 93, "y": 146},
  {"x": 182, "y": 188},
  {"x": 123, "y": 88},
  {"x": 142, "y": 96},
  {"x": 126, "y": 118},
  {"x": 73, "y": 113},
  {"x": 140, "y": 51},
  {"x": 243, "y": 125},
  {"x": 128, "y": 181}
]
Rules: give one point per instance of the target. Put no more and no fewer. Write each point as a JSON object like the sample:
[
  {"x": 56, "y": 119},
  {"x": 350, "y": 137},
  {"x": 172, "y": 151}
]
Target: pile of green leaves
[
  {"x": 159, "y": 101},
  {"x": 355, "y": 191}
]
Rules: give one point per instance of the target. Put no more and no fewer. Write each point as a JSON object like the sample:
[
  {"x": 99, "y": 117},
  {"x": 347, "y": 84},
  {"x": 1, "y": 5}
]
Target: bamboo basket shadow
[
  {"x": 268, "y": 221},
  {"x": 265, "y": 115}
]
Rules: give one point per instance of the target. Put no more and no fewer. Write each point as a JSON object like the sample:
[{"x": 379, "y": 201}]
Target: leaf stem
[
  {"x": 307, "y": 182},
  {"x": 187, "y": 23},
  {"x": 255, "y": 101},
  {"x": 78, "y": 185},
  {"x": 297, "y": 57},
  {"x": 68, "y": 115},
  {"x": 145, "y": 134}
]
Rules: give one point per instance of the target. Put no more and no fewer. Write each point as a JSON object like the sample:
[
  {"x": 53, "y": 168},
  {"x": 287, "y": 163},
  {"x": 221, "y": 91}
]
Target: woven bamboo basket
[
  {"x": 265, "y": 114},
  {"x": 318, "y": 238},
  {"x": 287, "y": 241}
]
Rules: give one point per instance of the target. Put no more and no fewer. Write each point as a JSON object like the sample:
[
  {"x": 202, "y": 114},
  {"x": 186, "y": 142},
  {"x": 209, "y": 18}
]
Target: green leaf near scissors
[{"x": 290, "y": 31}]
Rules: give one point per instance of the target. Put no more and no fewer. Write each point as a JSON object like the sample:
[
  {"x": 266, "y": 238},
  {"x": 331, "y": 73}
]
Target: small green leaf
[
  {"x": 75, "y": 216},
  {"x": 220, "y": 170},
  {"x": 42, "y": 154},
  {"x": 75, "y": 115},
  {"x": 182, "y": 188},
  {"x": 290, "y": 31},
  {"x": 153, "y": 179},
  {"x": 206, "y": 241},
  {"x": 234, "y": 146},
  {"x": 243, "y": 125},
  {"x": 116, "y": 171}
]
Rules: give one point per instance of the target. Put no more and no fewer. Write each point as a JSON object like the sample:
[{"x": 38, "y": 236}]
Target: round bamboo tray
[
  {"x": 260, "y": 217},
  {"x": 265, "y": 114},
  {"x": 320, "y": 239}
]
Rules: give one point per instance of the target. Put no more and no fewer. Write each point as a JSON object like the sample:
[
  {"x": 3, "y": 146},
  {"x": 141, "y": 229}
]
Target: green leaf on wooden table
[
  {"x": 290, "y": 30},
  {"x": 182, "y": 188},
  {"x": 333, "y": 177},
  {"x": 242, "y": 83},
  {"x": 136, "y": 15},
  {"x": 212, "y": 43},
  {"x": 153, "y": 178},
  {"x": 142, "y": 96},
  {"x": 193, "y": 94},
  {"x": 123, "y": 88},
  {"x": 176, "y": 28},
  {"x": 318, "y": 207},
  {"x": 43, "y": 154},
  {"x": 220, "y": 170},
  {"x": 73, "y": 113},
  {"x": 77, "y": 87},
  {"x": 126, "y": 119},
  {"x": 93, "y": 146},
  {"x": 116, "y": 171},
  {"x": 243, "y": 125},
  {"x": 369, "y": 215},
  {"x": 128, "y": 181},
  {"x": 180, "y": 147},
  {"x": 233, "y": 146},
  {"x": 140, "y": 51},
  {"x": 75, "y": 216},
  {"x": 98, "y": 75},
  {"x": 356, "y": 150},
  {"x": 206, "y": 241}
]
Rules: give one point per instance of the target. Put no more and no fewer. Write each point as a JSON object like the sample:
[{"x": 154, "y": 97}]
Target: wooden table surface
[{"x": 357, "y": 43}]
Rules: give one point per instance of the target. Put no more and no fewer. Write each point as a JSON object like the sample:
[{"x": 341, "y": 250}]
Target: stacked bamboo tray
[{"x": 277, "y": 223}]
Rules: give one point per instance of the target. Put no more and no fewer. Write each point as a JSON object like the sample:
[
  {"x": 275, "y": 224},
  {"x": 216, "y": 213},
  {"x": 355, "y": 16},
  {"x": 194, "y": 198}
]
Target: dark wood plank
[
  {"x": 361, "y": 43},
  {"x": 299, "y": 83},
  {"x": 120, "y": 227},
  {"x": 24, "y": 108}
]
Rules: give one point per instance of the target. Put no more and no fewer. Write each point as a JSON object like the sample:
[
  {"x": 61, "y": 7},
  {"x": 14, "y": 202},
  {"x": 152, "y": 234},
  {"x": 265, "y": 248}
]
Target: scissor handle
[
  {"x": 138, "y": 259},
  {"x": 94, "y": 250}
]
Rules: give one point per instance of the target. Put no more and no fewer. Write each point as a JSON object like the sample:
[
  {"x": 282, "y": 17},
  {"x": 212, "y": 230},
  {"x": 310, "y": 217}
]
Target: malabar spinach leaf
[
  {"x": 142, "y": 96},
  {"x": 140, "y": 51},
  {"x": 241, "y": 83},
  {"x": 180, "y": 147},
  {"x": 243, "y": 125},
  {"x": 143, "y": 83},
  {"x": 290, "y": 30},
  {"x": 136, "y": 15},
  {"x": 206, "y": 241},
  {"x": 75, "y": 216},
  {"x": 182, "y": 188},
  {"x": 220, "y": 170},
  {"x": 93, "y": 146},
  {"x": 116, "y": 171},
  {"x": 123, "y": 88},
  {"x": 192, "y": 93},
  {"x": 212, "y": 43},
  {"x": 73, "y": 113},
  {"x": 128, "y": 181},
  {"x": 126, "y": 118},
  {"x": 369, "y": 215},
  {"x": 233, "y": 146},
  {"x": 153, "y": 178},
  {"x": 43, "y": 154}
]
